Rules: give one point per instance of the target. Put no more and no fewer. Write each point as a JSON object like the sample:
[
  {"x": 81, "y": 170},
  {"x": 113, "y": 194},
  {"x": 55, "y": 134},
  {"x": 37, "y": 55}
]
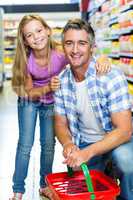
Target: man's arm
[
  {"x": 63, "y": 134},
  {"x": 61, "y": 129},
  {"x": 121, "y": 134}
]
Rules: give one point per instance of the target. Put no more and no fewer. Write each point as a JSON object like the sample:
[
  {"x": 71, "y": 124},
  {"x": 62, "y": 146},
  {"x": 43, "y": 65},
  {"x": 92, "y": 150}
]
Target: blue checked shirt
[{"x": 107, "y": 93}]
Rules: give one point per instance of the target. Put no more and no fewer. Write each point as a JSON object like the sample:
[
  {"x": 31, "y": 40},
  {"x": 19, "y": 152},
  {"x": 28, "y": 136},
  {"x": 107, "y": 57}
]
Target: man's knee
[{"x": 123, "y": 156}]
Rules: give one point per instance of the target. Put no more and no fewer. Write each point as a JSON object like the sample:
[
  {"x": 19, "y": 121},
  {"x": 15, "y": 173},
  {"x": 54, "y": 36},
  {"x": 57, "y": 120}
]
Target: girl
[{"x": 36, "y": 66}]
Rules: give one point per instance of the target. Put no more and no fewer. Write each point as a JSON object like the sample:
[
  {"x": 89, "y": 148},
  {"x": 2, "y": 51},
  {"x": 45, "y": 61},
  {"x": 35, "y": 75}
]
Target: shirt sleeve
[
  {"x": 59, "y": 107},
  {"x": 118, "y": 96}
]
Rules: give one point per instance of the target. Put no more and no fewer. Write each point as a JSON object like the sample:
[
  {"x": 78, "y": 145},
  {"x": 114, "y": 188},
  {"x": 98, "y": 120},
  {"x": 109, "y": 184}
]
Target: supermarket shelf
[
  {"x": 116, "y": 34},
  {"x": 128, "y": 55},
  {"x": 10, "y": 34},
  {"x": 113, "y": 20},
  {"x": 130, "y": 80},
  {"x": 113, "y": 55},
  {"x": 118, "y": 55},
  {"x": 127, "y": 30},
  {"x": 113, "y": 37},
  {"x": 10, "y": 47},
  {"x": 1, "y": 50},
  {"x": 95, "y": 7},
  {"x": 8, "y": 71},
  {"x": 127, "y": 7}
]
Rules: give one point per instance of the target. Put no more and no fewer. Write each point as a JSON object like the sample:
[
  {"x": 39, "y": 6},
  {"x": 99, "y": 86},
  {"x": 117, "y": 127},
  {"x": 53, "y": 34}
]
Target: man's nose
[{"x": 75, "y": 48}]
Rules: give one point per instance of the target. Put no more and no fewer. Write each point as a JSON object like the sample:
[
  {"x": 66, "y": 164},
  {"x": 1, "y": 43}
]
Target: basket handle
[
  {"x": 87, "y": 178},
  {"x": 70, "y": 171},
  {"x": 88, "y": 181}
]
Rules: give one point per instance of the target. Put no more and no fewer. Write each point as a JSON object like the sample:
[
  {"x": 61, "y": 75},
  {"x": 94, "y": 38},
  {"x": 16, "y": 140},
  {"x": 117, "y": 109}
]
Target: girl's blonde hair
[{"x": 22, "y": 53}]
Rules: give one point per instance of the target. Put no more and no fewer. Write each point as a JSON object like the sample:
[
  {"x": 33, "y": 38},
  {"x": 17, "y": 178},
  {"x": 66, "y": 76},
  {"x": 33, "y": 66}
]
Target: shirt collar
[{"x": 91, "y": 71}]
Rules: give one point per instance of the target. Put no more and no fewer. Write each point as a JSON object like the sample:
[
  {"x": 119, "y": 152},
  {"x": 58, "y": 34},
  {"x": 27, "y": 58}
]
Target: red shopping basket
[{"x": 82, "y": 185}]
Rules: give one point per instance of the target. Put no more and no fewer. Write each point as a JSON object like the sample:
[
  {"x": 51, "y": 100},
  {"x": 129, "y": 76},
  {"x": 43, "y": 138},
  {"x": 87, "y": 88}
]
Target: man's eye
[
  {"x": 83, "y": 43},
  {"x": 68, "y": 43}
]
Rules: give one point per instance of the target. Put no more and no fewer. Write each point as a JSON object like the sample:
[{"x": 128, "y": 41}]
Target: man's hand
[
  {"x": 76, "y": 158},
  {"x": 68, "y": 148}
]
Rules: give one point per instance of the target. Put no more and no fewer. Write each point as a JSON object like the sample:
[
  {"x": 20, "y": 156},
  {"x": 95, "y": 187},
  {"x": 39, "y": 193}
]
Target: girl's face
[{"x": 36, "y": 35}]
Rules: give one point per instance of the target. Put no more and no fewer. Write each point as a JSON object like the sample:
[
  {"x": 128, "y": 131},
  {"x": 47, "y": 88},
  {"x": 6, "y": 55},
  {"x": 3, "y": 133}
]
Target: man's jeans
[
  {"x": 122, "y": 158},
  {"x": 27, "y": 117}
]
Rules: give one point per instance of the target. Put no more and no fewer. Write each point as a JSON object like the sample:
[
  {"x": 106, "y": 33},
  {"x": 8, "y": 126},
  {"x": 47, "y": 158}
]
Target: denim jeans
[
  {"x": 122, "y": 158},
  {"x": 27, "y": 117}
]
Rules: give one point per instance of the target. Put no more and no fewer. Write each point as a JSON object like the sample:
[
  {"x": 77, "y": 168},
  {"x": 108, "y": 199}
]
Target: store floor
[{"x": 8, "y": 142}]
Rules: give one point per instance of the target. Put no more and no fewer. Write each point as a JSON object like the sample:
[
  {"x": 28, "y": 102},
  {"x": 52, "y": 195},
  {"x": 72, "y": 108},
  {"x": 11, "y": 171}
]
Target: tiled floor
[{"x": 8, "y": 141}]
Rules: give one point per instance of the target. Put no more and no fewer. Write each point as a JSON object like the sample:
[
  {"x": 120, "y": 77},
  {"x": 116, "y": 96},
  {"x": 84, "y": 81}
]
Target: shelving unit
[
  {"x": 112, "y": 21},
  {"x": 10, "y": 33},
  {"x": 1, "y": 50}
]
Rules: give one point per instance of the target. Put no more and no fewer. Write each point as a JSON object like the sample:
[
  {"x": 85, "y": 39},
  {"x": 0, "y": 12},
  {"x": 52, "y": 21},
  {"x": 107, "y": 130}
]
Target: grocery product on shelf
[
  {"x": 113, "y": 25},
  {"x": 1, "y": 50},
  {"x": 10, "y": 34}
]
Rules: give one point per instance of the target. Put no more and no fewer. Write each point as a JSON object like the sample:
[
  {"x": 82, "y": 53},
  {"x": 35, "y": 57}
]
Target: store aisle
[{"x": 8, "y": 142}]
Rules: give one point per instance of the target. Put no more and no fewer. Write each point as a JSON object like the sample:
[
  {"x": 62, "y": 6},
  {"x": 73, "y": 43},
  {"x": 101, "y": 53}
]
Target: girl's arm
[{"x": 35, "y": 93}]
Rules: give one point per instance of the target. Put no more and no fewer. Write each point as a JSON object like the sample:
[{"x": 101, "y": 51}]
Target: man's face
[{"x": 77, "y": 48}]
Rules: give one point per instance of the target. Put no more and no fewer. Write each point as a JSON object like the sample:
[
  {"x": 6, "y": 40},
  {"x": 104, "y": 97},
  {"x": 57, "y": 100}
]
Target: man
[{"x": 92, "y": 113}]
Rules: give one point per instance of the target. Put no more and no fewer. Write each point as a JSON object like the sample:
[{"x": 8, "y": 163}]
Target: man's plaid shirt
[{"x": 107, "y": 93}]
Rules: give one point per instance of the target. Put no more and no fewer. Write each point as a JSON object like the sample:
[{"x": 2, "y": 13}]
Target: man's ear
[{"x": 91, "y": 50}]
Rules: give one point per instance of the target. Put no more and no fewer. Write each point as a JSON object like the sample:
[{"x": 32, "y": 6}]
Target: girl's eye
[
  {"x": 28, "y": 36},
  {"x": 39, "y": 30}
]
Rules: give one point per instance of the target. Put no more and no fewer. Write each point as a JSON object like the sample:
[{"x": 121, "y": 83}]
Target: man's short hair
[{"x": 80, "y": 24}]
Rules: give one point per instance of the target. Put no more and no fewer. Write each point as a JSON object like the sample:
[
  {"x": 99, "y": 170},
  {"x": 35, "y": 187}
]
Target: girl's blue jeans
[
  {"x": 122, "y": 158},
  {"x": 27, "y": 118}
]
